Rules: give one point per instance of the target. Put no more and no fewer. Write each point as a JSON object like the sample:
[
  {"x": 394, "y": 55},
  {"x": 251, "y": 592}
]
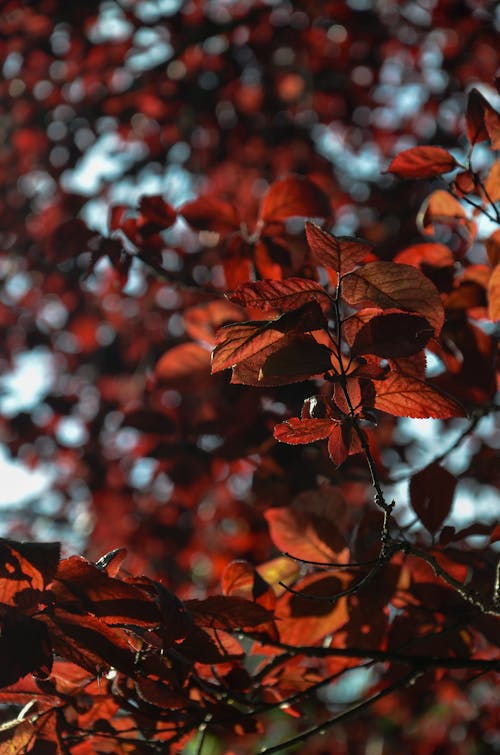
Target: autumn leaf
[
  {"x": 296, "y": 431},
  {"x": 492, "y": 183},
  {"x": 211, "y": 214},
  {"x": 294, "y": 196},
  {"x": 422, "y": 162},
  {"x": 182, "y": 361},
  {"x": 389, "y": 285},
  {"x": 407, "y": 396}
]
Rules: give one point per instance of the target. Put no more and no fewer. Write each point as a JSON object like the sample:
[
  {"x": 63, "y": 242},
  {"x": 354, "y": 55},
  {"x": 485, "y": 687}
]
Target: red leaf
[
  {"x": 388, "y": 285},
  {"x": 492, "y": 122},
  {"x": 431, "y": 495},
  {"x": 422, "y": 162},
  {"x": 343, "y": 442},
  {"x": 202, "y": 322},
  {"x": 238, "y": 342},
  {"x": 341, "y": 253},
  {"x": 406, "y": 396},
  {"x": 277, "y": 294},
  {"x": 492, "y": 183},
  {"x": 301, "y": 358},
  {"x": 181, "y": 362},
  {"x": 211, "y": 214},
  {"x": 433, "y": 254},
  {"x": 494, "y": 295},
  {"x": 242, "y": 579},
  {"x": 294, "y": 197},
  {"x": 392, "y": 335},
  {"x": 296, "y": 431},
  {"x": 305, "y": 535}
]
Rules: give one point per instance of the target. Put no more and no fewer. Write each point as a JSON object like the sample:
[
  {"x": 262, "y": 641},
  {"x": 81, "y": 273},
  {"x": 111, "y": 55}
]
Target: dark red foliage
[{"x": 230, "y": 306}]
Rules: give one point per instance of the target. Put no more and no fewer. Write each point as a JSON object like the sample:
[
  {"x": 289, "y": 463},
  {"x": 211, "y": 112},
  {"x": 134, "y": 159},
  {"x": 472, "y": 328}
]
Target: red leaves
[
  {"x": 388, "y": 285},
  {"x": 25, "y": 570},
  {"x": 431, "y": 495},
  {"x": 422, "y": 162},
  {"x": 494, "y": 294},
  {"x": 292, "y": 197}
]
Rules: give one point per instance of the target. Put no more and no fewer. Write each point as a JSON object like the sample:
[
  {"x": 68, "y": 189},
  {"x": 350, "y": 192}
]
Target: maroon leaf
[
  {"x": 291, "y": 197},
  {"x": 422, "y": 162},
  {"x": 392, "y": 335},
  {"x": 211, "y": 214},
  {"x": 431, "y": 495},
  {"x": 341, "y": 253},
  {"x": 227, "y": 612},
  {"x": 156, "y": 211},
  {"x": 305, "y": 535},
  {"x": 69, "y": 240}
]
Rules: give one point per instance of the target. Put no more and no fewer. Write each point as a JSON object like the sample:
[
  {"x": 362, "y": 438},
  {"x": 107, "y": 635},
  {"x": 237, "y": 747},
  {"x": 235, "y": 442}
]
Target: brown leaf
[
  {"x": 211, "y": 214},
  {"x": 305, "y": 535},
  {"x": 184, "y": 361},
  {"x": 474, "y": 117}
]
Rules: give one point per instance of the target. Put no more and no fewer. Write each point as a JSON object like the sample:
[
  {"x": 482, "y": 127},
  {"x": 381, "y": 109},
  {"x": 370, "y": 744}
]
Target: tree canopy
[{"x": 251, "y": 251}]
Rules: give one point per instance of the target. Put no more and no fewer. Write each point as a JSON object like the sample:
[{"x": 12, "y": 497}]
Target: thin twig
[{"x": 352, "y": 711}]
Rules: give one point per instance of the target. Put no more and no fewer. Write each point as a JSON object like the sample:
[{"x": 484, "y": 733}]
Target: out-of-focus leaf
[
  {"x": 494, "y": 295},
  {"x": 422, "y": 162},
  {"x": 294, "y": 196}
]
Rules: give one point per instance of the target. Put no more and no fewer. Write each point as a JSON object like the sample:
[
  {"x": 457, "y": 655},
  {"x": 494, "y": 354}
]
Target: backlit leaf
[
  {"x": 304, "y": 535},
  {"x": 286, "y": 294},
  {"x": 296, "y": 431},
  {"x": 474, "y": 118},
  {"x": 183, "y": 361},
  {"x": 406, "y": 396},
  {"x": 422, "y": 162},
  {"x": 341, "y": 253},
  {"x": 389, "y": 285}
]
